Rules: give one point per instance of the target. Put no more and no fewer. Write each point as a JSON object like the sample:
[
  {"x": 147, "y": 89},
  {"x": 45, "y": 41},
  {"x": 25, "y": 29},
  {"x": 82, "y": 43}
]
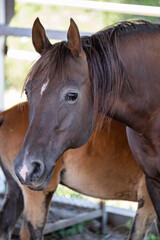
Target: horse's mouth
[
  {"x": 44, "y": 184},
  {"x": 39, "y": 188}
]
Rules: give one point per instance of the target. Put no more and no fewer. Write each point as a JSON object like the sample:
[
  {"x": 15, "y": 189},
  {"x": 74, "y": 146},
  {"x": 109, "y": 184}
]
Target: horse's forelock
[{"x": 50, "y": 63}]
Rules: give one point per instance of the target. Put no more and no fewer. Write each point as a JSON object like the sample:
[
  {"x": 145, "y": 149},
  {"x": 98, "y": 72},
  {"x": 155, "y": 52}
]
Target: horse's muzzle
[{"x": 30, "y": 174}]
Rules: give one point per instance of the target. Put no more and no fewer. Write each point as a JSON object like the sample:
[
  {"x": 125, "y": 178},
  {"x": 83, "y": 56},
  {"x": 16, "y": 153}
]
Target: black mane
[{"x": 131, "y": 27}]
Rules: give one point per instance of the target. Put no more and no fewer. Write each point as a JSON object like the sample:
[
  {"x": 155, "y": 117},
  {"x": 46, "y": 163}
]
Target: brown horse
[
  {"x": 116, "y": 72},
  {"x": 103, "y": 168}
]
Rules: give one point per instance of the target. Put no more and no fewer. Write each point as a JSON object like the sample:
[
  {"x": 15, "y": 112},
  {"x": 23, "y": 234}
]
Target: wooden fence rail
[
  {"x": 5, "y": 30},
  {"x": 101, "y": 6}
]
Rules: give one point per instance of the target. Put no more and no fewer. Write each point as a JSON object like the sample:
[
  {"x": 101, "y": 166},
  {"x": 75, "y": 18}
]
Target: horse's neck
[
  {"x": 140, "y": 55},
  {"x": 126, "y": 115}
]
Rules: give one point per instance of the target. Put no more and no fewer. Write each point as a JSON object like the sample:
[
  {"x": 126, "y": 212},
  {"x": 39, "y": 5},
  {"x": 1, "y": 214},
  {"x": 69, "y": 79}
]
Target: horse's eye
[{"x": 71, "y": 97}]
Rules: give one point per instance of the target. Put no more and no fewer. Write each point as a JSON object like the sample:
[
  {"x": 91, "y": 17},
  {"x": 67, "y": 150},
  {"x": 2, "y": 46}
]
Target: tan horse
[{"x": 103, "y": 168}]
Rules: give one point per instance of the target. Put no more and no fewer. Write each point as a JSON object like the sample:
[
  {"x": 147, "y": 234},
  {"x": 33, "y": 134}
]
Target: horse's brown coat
[{"x": 103, "y": 168}]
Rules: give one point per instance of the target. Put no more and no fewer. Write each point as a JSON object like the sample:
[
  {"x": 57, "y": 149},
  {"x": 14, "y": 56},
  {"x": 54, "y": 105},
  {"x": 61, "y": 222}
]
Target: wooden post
[
  {"x": 104, "y": 217},
  {"x": 2, "y": 46}
]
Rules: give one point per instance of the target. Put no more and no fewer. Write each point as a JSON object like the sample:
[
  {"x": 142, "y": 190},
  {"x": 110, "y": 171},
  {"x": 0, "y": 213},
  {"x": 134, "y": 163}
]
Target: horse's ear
[
  {"x": 39, "y": 38},
  {"x": 74, "y": 40}
]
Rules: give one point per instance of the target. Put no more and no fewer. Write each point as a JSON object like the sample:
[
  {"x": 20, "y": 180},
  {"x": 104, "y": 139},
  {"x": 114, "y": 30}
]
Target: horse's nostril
[{"x": 37, "y": 170}]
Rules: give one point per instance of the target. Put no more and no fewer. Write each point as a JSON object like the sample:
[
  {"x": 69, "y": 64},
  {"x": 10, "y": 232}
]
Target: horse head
[{"x": 60, "y": 97}]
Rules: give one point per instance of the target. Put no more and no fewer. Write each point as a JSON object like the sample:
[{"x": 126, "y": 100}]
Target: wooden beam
[
  {"x": 9, "y": 10},
  {"x": 104, "y": 219},
  {"x": 27, "y": 32},
  {"x": 142, "y": 10},
  {"x": 2, "y": 46},
  {"x": 61, "y": 224}
]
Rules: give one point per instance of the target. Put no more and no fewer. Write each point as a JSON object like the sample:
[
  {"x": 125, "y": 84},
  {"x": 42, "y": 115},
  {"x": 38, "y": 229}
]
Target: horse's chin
[
  {"x": 42, "y": 186},
  {"x": 38, "y": 188}
]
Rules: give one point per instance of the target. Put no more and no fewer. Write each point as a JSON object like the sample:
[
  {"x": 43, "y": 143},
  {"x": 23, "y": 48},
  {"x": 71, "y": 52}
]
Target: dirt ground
[{"x": 89, "y": 234}]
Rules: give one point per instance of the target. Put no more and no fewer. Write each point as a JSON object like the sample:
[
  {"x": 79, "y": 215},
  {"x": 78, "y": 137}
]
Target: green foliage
[
  {"x": 75, "y": 229},
  {"x": 152, "y": 237},
  {"x": 129, "y": 224},
  {"x": 16, "y": 72},
  {"x": 67, "y": 192},
  {"x": 25, "y": 14},
  {"x": 142, "y": 2},
  {"x": 110, "y": 18}
]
